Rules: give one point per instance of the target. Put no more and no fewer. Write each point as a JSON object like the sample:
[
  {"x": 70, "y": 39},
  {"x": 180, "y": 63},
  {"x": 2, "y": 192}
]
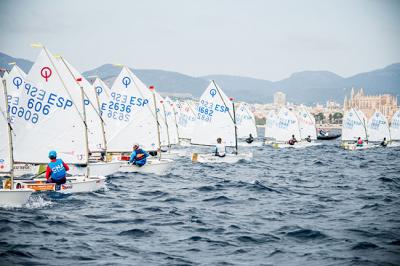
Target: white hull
[
  {"x": 353, "y": 146},
  {"x": 74, "y": 184},
  {"x": 229, "y": 158},
  {"x": 96, "y": 168},
  {"x": 14, "y": 197},
  {"x": 253, "y": 144},
  {"x": 298, "y": 145},
  {"x": 153, "y": 166}
]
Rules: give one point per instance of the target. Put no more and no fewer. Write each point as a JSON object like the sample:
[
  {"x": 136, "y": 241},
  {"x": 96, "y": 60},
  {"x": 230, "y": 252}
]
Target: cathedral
[{"x": 368, "y": 104}]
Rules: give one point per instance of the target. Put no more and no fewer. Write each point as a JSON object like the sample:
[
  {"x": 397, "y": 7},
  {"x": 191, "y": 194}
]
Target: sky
[{"x": 261, "y": 39}]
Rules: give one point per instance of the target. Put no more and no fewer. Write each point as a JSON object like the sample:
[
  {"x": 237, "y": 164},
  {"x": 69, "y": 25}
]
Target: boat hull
[
  {"x": 97, "y": 168},
  {"x": 153, "y": 166},
  {"x": 329, "y": 137},
  {"x": 229, "y": 158},
  {"x": 74, "y": 184},
  {"x": 354, "y": 147},
  {"x": 14, "y": 197},
  {"x": 298, "y": 145}
]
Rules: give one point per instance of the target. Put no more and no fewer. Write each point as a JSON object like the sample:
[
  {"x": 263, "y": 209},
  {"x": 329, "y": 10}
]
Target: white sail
[
  {"x": 5, "y": 143},
  {"x": 395, "y": 126},
  {"x": 271, "y": 128},
  {"x": 287, "y": 125},
  {"x": 161, "y": 120},
  {"x": 245, "y": 121},
  {"x": 103, "y": 92},
  {"x": 49, "y": 117},
  {"x": 354, "y": 125},
  {"x": 128, "y": 115},
  {"x": 306, "y": 124},
  {"x": 186, "y": 119},
  {"x": 171, "y": 120},
  {"x": 378, "y": 127},
  {"x": 14, "y": 81},
  {"x": 214, "y": 118},
  {"x": 96, "y": 140}
]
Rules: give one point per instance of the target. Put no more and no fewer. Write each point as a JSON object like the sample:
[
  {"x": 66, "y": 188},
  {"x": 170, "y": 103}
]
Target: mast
[
  {"x": 7, "y": 116},
  {"x": 234, "y": 122},
  {"x": 166, "y": 124},
  {"x": 102, "y": 124},
  {"x": 176, "y": 123},
  {"x": 158, "y": 124}
]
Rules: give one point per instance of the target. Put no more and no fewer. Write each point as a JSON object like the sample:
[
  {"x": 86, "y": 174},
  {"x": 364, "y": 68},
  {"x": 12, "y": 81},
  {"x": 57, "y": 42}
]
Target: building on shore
[
  {"x": 279, "y": 99},
  {"x": 368, "y": 104}
]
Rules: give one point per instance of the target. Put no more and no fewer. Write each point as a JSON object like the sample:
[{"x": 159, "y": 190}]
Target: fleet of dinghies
[
  {"x": 286, "y": 124},
  {"x": 372, "y": 132},
  {"x": 93, "y": 128}
]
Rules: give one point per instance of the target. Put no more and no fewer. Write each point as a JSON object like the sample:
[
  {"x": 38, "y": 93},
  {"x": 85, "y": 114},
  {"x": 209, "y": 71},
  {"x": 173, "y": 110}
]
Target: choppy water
[{"x": 317, "y": 206}]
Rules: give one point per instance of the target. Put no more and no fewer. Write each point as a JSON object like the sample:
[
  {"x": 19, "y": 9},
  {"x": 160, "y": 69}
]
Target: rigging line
[
  {"x": 219, "y": 93},
  {"x": 63, "y": 83},
  {"x": 363, "y": 122},
  {"x": 84, "y": 93}
]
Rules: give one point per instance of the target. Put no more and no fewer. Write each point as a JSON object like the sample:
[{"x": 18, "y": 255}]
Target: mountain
[
  {"x": 5, "y": 59},
  {"x": 302, "y": 87}
]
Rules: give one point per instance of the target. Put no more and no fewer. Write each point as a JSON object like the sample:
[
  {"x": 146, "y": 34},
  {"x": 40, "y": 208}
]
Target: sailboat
[
  {"x": 216, "y": 119},
  {"x": 378, "y": 128},
  {"x": 14, "y": 83},
  {"x": 246, "y": 125},
  {"x": 354, "y": 126},
  {"x": 395, "y": 128},
  {"x": 186, "y": 119},
  {"x": 130, "y": 117},
  {"x": 307, "y": 128},
  {"x": 286, "y": 126},
  {"x": 95, "y": 128},
  {"x": 270, "y": 130},
  {"x": 9, "y": 195},
  {"x": 50, "y": 117}
]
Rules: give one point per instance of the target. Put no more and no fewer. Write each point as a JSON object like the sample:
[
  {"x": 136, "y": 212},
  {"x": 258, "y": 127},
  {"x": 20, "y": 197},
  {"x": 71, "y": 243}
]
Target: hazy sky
[{"x": 262, "y": 39}]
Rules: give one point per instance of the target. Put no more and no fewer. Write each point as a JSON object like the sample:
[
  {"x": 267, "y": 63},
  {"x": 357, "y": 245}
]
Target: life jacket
[
  {"x": 140, "y": 155},
  {"x": 291, "y": 142},
  {"x": 359, "y": 141},
  {"x": 58, "y": 170}
]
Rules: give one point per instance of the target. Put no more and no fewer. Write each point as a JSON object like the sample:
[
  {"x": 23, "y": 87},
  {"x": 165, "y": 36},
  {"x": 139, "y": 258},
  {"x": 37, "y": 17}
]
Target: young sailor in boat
[
  {"x": 56, "y": 171},
  {"x": 359, "y": 142},
  {"x": 250, "y": 139},
  {"x": 220, "y": 148},
  {"x": 138, "y": 156},
  {"x": 308, "y": 139},
  {"x": 293, "y": 140},
  {"x": 384, "y": 143}
]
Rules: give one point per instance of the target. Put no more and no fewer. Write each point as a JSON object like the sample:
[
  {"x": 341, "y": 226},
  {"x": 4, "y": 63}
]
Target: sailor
[
  {"x": 384, "y": 143},
  {"x": 359, "y": 142},
  {"x": 308, "y": 139},
  {"x": 250, "y": 139},
  {"x": 293, "y": 140},
  {"x": 220, "y": 148},
  {"x": 56, "y": 170},
  {"x": 138, "y": 156}
]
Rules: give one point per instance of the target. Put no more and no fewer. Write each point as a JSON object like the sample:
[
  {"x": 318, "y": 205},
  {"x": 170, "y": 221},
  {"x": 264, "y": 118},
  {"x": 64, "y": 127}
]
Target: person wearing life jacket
[
  {"x": 220, "y": 149},
  {"x": 384, "y": 142},
  {"x": 293, "y": 140},
  {"x": 56, "y": 171},
  {"x": 250, "y": 139},
  {"x": 359, "y": 142},
  {"x": 138, "y": 156},
  {"x": 308, "y": 139}
]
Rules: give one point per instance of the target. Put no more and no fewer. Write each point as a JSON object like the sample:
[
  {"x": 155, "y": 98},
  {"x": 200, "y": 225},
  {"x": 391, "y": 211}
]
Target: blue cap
[{"x": 52, "y": 154}]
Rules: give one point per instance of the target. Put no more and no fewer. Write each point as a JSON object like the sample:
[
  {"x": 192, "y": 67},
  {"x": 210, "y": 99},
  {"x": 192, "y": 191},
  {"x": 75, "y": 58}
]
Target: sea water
[{"x": 316, "y": 206}]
